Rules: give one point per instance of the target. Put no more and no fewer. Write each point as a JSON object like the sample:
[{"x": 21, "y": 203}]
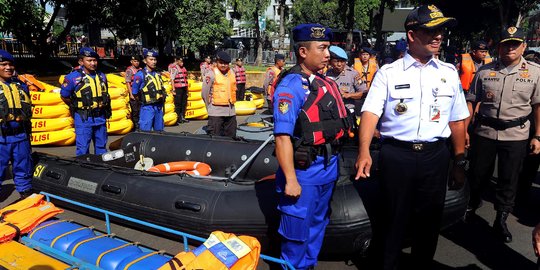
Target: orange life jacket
[
  {"x": 21, "y": 217},
  {"x": 221, "y": 251},
  {"x": 467, "y": 69},
  {"x": 271, "y": 85},
  {"x": 367, "y": 76},
  {"x": 32, "y": 83},
  {"x": 224, "y": 92}
]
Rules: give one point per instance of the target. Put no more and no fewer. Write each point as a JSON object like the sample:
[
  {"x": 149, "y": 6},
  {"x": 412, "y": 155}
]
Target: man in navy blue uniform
[
  {"x": 85, "y": 90},
  {"x": 15, "y": 114},
  {"x": 309, "y": 120},
  {"x": 148, "y": 87}
]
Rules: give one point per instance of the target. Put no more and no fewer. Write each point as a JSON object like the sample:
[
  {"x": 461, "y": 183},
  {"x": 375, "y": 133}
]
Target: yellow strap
[
  {"x": 16, "y": 96},
  {"x": 85, "y": 241},
  {"x": 111, "y": 250},
  {"x": 70, "y": 232},
  {"x": 140, "y": 259},
  {"x": 7, "y": 94},
  {"x": 45, "y": 226}
]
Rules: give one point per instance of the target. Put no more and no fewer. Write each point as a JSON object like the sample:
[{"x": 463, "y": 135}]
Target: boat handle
[
  {"x": 195, "y": 207},
  {"x": 111, "y": 189},
  {"x": 54, "y": 175}
]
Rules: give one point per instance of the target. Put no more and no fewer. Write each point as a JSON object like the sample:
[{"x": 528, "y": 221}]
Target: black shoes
[{"x": 500, "y": 228}]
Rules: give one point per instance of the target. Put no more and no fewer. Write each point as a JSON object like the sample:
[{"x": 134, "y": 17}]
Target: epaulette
[{"x": 534, "y": 64}]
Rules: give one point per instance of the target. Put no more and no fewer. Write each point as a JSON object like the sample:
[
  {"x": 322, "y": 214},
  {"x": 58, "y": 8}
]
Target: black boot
[{"x": 500, "y": 226}]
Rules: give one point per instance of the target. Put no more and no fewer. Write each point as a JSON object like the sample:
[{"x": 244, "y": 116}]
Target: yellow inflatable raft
[
  {"x": 254, "y": 95},
  {"x": 195, "y": 104},
  {"x": 119, "y": 127},
  {"x": 169, "y": 99},
  {"x": 119, "y": 104},
  {"x": 59, "y": 137},
  {"x": 46, "y": 112},
  {"x": 194, "y": 95},
  {"x": 170, "y": 119},
  {"x": 117, "y": 92},
  {"x": 45, "y": 98},
  {"x": 245, "y": 107},
  {"x": 196, "y": 113},
  {"x": 169, "y": 108},
  {"x": 117, "y": 80},
  {"x": 52, "y": 124},
  {"x": 16, "y": 256},
  {"x": 259, "y": 103},
  {"x": 194, "y": 86},
  {"x": 119, "y": 115}
]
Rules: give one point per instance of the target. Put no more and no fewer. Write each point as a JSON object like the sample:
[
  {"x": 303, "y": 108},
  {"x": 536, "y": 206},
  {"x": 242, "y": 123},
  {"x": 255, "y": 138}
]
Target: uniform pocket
[
  {"x": 522, "y": 92},
  {"x": 294, "y": 225}
]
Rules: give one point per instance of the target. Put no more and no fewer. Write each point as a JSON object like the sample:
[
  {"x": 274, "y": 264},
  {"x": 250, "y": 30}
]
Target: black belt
[
  {"x": 415, "y": 146},
  {"x": 12, "y": 131},
  {"x": 499, "y": 124}
]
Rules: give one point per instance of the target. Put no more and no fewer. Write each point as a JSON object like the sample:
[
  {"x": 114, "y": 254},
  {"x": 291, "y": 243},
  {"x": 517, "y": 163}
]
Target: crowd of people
[{"x": 432, "y": 117}]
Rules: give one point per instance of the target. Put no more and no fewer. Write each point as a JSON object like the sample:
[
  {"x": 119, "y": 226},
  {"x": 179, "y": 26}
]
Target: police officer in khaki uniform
[
  {"x": 350, "y": 83},
  {"x": 508, "y": 92}
]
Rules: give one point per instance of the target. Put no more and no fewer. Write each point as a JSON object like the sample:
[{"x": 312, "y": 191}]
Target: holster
[{"x": 303, "y": 157}]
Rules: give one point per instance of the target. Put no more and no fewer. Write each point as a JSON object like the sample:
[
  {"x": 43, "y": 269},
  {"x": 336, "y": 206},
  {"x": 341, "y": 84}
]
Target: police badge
[
  {"x": 401, "y": 108},
  {"x": 317, "y": 32},
  {"x": 283, "y": 106}
]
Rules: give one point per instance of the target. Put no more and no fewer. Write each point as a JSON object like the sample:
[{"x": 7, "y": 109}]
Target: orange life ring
[{"x": 189, "y": 167}]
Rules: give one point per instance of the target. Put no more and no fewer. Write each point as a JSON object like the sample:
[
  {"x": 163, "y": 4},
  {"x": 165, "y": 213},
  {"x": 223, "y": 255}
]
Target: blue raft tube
[{"x": 84, "y": 248}]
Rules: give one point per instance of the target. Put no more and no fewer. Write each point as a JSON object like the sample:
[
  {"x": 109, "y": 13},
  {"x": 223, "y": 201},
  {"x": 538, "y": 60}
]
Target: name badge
[
  {"x": 434, "y": 113},
  {"x": 402, "y": 86}
]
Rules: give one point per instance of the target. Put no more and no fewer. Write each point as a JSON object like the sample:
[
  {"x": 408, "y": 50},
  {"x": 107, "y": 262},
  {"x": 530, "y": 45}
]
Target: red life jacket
[
  {"x": 323, "y": 118},
  {"x": 134, "y": 71},
  {"x": 180, "y": 80},
  {"x": 240, "y": 73}
]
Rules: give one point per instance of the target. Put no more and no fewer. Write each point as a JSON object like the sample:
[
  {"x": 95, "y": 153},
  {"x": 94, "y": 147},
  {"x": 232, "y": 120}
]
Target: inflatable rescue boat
[{"x": 237, "y": 196}]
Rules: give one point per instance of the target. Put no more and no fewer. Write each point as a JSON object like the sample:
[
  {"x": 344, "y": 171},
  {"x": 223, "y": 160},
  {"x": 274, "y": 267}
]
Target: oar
[{"x": 270, "y": 138}]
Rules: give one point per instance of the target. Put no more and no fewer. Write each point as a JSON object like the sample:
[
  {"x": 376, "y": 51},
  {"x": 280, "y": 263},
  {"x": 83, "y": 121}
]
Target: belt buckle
[{"x": 418, "y": 146}]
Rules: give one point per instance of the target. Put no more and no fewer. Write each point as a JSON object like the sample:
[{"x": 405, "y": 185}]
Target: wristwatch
[
  {"x": 537, "y": 137},
  {"x": 461, "y": 163}
]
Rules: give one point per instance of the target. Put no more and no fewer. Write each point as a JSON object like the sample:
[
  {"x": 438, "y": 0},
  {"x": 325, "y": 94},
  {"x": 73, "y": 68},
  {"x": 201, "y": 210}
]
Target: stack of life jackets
[
  {"x": 23, "y": 216},
  {"x": 15, "y": 103},
  {"x": 221, "y": 251}
]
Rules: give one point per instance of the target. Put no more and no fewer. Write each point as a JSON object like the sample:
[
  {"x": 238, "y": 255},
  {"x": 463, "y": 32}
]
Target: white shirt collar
[{"x": 409, "y": 61}]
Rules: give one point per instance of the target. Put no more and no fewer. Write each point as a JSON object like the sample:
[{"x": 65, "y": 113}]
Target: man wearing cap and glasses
[
  {"x": 350, "y": 84},
  {"x": 219, "y": 95},
  {"x": 309, "y": 121},
  {"x": 85, "y": 90},
  {"x": 508, "y": 92},
  {"x": 419, "y": 103}
]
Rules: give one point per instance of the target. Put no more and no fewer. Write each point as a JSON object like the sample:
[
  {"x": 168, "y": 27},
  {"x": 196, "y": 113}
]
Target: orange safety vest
[
  {"x": 32, "y": 83},
  {"x": 271, "y": 85},
  {"x": 367, "y": 76},
  {"x": 23, "y": 216},
  {"x": 221, "y": 251},
  {"x": 467, "y": 69},
  {"x": 224, "y": 92}
]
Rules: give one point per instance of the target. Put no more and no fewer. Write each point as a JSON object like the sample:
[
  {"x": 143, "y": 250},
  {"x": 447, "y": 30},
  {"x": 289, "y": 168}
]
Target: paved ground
[{"x": 462, "y": 246}]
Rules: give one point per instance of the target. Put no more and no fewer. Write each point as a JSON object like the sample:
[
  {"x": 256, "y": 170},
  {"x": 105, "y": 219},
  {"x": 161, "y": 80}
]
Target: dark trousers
[
  {"x": 240, "y": 91},
  {"x": 135, "y": 109},
  {"x": 510, "y": 156},
  {"x": 180, "y": 102},
  {"x": 527, "y": 176},
  {"x": 412, "y": 194},
  {"x": 222, "y": 126}
]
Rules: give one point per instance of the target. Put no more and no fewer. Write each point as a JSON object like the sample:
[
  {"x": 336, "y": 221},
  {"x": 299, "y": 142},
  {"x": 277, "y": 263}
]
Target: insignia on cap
[
  {"x": 317, "y": 32},
  {"x": 435, "y": 12},
  {"x": 87, "y": 53},
  {"x": 511, "y": 30},
  {"x": 149, "y": 54}
]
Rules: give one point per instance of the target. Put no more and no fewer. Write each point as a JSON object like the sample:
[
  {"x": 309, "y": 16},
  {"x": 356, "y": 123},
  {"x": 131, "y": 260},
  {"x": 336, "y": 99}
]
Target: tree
[{"x": 250, "y": 10}]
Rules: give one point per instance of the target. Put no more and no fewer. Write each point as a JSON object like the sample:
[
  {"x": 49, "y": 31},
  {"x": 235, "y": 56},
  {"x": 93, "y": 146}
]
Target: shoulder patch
[{"x": 284, "y": 106}]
